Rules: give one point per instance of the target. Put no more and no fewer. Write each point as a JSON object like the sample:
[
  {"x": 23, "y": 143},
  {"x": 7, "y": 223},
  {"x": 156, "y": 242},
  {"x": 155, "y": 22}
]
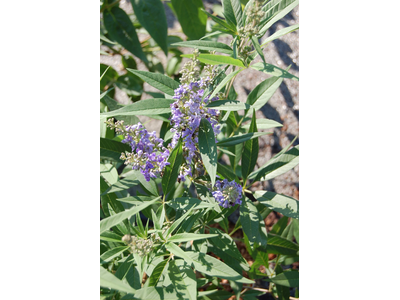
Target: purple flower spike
[
  {"x": 187, "y": 111},
  {"x": 227, "y": 194},
  {"x": 148, "y": 153}
]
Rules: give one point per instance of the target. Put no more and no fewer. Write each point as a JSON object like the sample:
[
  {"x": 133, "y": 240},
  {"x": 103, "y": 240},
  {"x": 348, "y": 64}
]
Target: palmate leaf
[
  {"x": 206, "y": 45},
  {"x": 207, "y": 264},
  {"x": 191, "y": 18},
  {"x": 151, "y": 15},
  {"x": 280, "y": 203},
  {"x": 109, "y": 222},
  {"x": 159, "y": 81},
  {"x": 121, "y": 30},
  {"x": 215, "y": 59},
  {"x": 208, "y": 148}
]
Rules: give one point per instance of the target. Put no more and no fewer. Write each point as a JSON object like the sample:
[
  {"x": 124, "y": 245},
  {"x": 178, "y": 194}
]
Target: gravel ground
[{"x": 283, "y": 107}]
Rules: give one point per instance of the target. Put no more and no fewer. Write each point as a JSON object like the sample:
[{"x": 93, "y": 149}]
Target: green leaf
[
  {"x": 226, "y": 246},
  {"x": 250, "y": 219},
  {"x": 296, "y": 229},
  {"x": 108, "y": 280},
  {"x": 177, "y": 223},
  {"x": 277, "y": 165},
  {"x": 109, "y": 222},
  {"x": 279, "y": 245},
  {"x": 148, "y": 186},
  {"x": 280, "y": 226},
  {"x": 207, "y": 264},
  {"x": 280, "y": 33},
  {"x": 226, "y": 172},
  {"x": 237, "y": 139},
  {"x": 206, "y": 45},
  {"x": 229, "y": 105},
  {"x": 104, "y": 73},
  {"x": 250, "y": 151},
  {"x": 184, "y": 237},
  {"x": 280, "y": 203},
  {"x": 110, "y": 149},
  {"x": 152, "y": 293},
  {"x": 288, "y": 278},
  {"x": 121, "y": 30},
  {"x": 183, "y": 279},
  {"x": 159, "y": 81},
  {"x": 257, "y": 47},
  {"x": 145, "y": 107},
  {"x": 185, "y": 203},
  {"x": 224, "y": 25},
  {"x": 109, "y": 173},
  {"x": 151, "y": 15},
  {"x": 113, "y": 253},
  {"x": 215, "y": 59},
  {"x": 111, "y": 237},
  {"x": 208, "y": 148},
  {"x": 284, "y": 7},
  {"x": 260, "y": 95},
  {"x": 233, "y": 12},
  {"x": 273, "y": 70},
  {"x": 158, "y": 270},
  {"x": 124, "y": 268},
  {"x": 171, "y": 171},
  {"x": 130, "y": 85},
  {"x": 264, "y": 124},
  {"x": 190, "y": 17},
  {"x": 224, "y": 82},
  {"x": 121, "y": 185}
]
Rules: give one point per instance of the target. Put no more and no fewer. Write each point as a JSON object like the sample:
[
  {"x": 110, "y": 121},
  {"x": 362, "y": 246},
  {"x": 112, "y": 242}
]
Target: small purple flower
[
  {"x": 226, "y": 193},
  {"x": 187, "y": 111},
  {"x": 148, "y": 153}
]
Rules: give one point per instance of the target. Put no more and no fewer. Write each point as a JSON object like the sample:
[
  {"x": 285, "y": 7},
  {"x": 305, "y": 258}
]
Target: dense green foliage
[{"x": 162, "y": 241}]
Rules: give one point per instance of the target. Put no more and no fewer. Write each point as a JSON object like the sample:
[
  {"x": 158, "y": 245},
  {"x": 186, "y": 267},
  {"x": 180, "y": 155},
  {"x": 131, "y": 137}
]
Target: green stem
[{"x": 109, "y": 6}]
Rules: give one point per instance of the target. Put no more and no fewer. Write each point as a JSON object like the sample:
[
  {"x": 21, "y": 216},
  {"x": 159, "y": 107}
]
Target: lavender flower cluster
[
  {"x": 148, "y": 153},
  {"x": 187, "y": 111},
  {"x": 226, "y": 193}
]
